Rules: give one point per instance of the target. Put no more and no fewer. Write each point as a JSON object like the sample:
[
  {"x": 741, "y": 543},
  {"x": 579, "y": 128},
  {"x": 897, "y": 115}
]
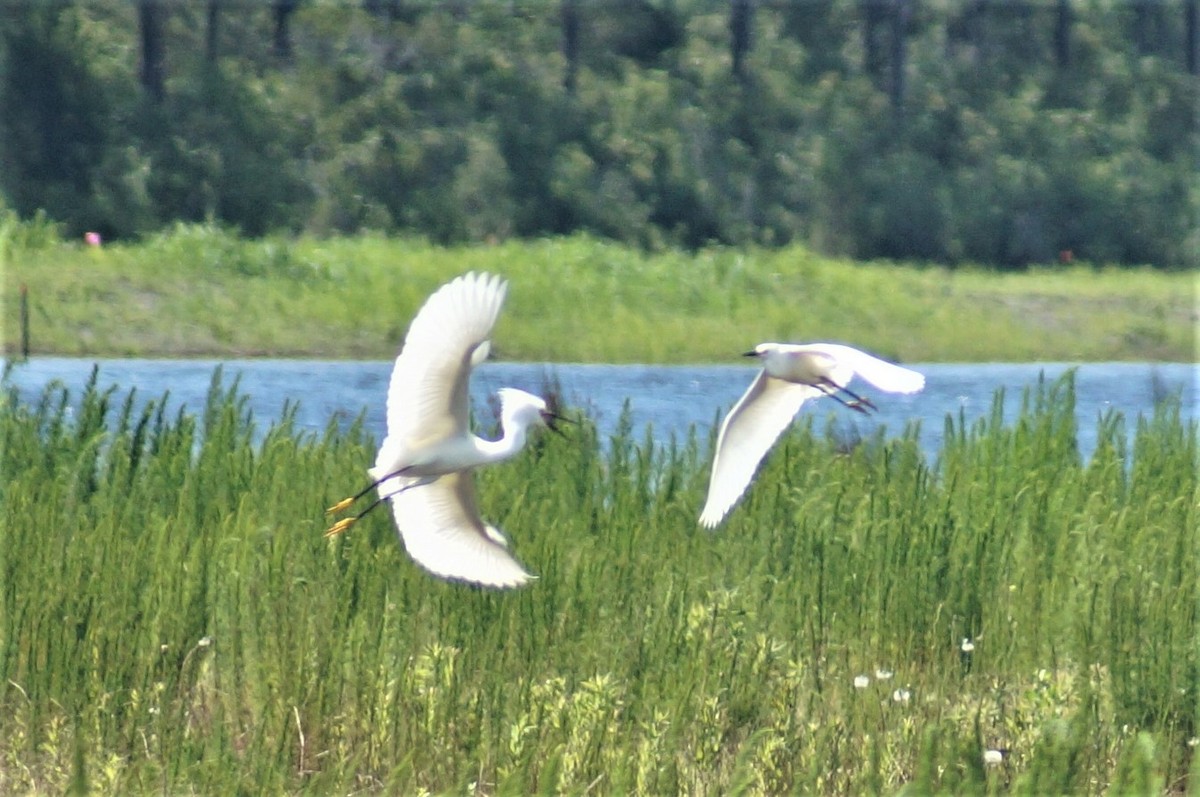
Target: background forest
[{"x": 998, "y": 132}]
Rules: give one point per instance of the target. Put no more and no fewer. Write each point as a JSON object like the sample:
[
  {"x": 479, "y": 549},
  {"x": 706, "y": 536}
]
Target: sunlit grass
[
  {"x": 202, "y": 291},
  {"x": 172, "y": 620}
]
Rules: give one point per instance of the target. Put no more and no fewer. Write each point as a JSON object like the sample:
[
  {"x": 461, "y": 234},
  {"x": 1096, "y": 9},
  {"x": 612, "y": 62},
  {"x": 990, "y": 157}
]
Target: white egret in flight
[
  {"x": 791, "y": 375},
  {"x": 424, "y": 464}
]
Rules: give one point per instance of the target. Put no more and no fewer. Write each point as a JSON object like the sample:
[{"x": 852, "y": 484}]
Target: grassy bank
[
  {"x": 172, "y": 621},
  {"x": 201, "y": 292}
]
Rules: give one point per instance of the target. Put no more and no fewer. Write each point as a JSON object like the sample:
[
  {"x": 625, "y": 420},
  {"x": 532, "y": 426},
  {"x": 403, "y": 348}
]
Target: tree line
[{"x": 1002, "y": 132}]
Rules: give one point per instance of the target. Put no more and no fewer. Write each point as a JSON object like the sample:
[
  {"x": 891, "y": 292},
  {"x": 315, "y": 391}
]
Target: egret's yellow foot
[
  {"x": 340, "y": 526},
  {"x": 339, "y": 506}
]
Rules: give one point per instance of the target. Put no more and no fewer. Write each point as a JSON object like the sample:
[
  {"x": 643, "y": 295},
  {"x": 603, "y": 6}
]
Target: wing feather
[
  {"x": 443, "y": 532},
  {"x": 747, "y": 433},
  {"x": 427, "y": 396},
  {"x": 886, "y": 376}
]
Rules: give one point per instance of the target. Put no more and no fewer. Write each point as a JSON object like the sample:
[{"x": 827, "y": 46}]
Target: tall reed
[{"x": 868, "y": 620}]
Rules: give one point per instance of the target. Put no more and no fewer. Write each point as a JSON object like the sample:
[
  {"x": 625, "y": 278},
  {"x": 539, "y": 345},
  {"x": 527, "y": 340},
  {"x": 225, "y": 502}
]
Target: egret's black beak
[
  {"x": 750, "y": 354},
  {"x": 552, "y": 419}
]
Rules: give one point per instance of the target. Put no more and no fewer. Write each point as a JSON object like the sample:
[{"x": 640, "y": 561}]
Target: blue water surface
[{"x": 667, "y": 400}]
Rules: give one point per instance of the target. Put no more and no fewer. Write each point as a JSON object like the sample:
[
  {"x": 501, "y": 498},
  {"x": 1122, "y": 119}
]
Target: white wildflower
[{"x": 862, "y": 681}]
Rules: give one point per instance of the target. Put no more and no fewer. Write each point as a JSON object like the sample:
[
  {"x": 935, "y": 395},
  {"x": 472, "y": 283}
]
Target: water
[{"x": 667, "y": 399}]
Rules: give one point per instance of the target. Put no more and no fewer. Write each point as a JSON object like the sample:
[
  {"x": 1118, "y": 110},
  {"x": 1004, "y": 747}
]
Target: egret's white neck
[{"x": 512, "y": 441}]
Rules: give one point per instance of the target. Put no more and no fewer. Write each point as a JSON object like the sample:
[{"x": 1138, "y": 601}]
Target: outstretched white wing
[
  {"x": 886, "y": 376},
  {"x": 747, "y": 433},
  {"x": 443, "y": 532},
  {"x": 427, "y": 399}
]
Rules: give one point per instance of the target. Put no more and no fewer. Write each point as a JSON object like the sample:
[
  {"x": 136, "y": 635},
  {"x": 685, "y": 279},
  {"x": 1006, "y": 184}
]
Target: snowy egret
[
  {"x": 424, "y": 464},
  {"x": 791, "y": 375}
]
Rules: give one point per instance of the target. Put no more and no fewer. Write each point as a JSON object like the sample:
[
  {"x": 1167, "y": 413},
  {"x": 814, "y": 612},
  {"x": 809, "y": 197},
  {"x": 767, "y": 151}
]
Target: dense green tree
[
  {"x": 152, "y": 16},
  {"x": 1005, "y": 133},
  {"x": 59, "y": 143}
]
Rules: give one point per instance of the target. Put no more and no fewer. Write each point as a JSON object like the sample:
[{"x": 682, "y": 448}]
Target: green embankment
[
  {"x": 202, "y": 292},
  {"x": 172, "y": 620}
]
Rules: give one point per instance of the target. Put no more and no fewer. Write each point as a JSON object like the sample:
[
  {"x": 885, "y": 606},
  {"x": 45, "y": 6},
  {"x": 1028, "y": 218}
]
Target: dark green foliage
[
  {"x": 58, "y": 134},
  {"x": 463, "y": 122},
  {"x": 220, "y": 152}
]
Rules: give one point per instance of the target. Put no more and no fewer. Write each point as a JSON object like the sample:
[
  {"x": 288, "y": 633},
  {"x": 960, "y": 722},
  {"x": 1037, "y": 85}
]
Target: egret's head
[
  {"x": 760, "y": 350},
  {"x": 519, "y": 405},
  {"x": 525, "y": 409}
]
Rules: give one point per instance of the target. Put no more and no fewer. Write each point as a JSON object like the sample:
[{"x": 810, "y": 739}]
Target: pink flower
[{"x": 91, "y": 238}]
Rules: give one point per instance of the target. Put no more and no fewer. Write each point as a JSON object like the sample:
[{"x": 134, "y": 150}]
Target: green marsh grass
[
  {"x": 200, "y": 290},
  {"x": 173, "y": 621}
]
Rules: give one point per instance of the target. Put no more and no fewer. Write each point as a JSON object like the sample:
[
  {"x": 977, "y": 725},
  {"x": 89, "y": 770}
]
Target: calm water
[{"x": 667, "y": 399}]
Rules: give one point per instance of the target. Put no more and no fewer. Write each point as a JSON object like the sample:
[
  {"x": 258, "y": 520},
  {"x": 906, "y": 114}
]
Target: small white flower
[
  {"x": 152, "y": 710},
  {"x": 204, "y": 642},
  {"x": 967, "y": 645},
  {"x": 882, "y": 674},
  {"x": 862, "y": 681},
  {"x": 1193, "y": 742},
  {"x": 993, "y": 757},
  {"x": 901, "y": 695}
]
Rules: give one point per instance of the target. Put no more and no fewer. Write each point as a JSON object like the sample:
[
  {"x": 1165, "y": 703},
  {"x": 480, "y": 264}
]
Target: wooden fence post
[{"x": 24, "y": 322}]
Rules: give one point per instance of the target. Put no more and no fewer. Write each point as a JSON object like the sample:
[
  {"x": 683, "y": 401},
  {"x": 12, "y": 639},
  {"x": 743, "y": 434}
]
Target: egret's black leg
[
  {"x": 859, "y": 404},
  {"x": 345, "y": 502},
  {"x": 863, "y": 400},
  {"x": 345, "y": 523}
]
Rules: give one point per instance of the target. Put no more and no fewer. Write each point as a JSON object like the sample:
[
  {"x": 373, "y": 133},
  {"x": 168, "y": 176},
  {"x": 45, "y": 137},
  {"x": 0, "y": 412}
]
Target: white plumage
[
  {"x": 792, "y": 374},
  {"x": 424, "y": 464}
]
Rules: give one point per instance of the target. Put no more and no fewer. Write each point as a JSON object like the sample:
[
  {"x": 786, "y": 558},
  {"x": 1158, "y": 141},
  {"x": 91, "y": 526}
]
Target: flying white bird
[
  {"x": 791, "y": 375},
  {"x": 424, "y": 464}
]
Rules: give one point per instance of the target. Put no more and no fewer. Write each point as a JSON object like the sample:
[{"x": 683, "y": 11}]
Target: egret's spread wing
[
  {"x": 883, "y": 375},
  {"x": 427, "y": 398},
  {"x": 748, "y": 432},
  {"x": 443, "y": 533}
]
